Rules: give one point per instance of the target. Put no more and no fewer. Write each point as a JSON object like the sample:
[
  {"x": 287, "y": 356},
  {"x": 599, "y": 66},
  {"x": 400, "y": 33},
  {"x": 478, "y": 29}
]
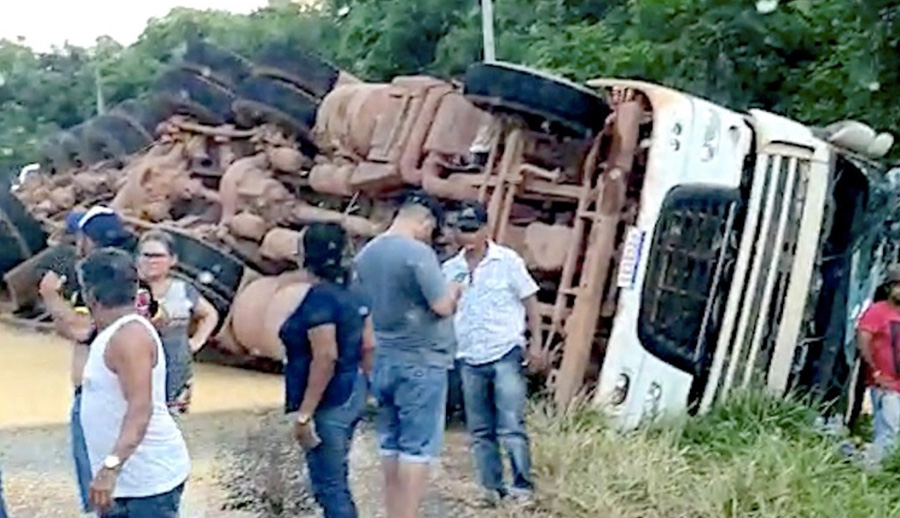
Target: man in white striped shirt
[{"x": 490, "y": 325}]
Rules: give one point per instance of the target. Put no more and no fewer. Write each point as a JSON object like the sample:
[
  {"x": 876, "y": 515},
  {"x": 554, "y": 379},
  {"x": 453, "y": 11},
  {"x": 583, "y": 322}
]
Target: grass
[{"x": 753, "y": 457}]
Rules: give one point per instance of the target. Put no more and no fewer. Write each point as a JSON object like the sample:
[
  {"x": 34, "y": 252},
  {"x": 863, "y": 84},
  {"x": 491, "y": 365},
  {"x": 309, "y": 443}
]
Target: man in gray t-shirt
[{"x": 402, "y": 279}]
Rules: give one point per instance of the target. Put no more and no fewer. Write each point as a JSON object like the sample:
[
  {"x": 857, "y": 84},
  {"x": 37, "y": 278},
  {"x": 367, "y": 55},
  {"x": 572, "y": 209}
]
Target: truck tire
[
  {"x": 505, "y": 87},
  {"x": 113, "y": 136},
  {"x": 298, "y": 67},
  {"x": 188, "y": 93},
  {"x": 145, "y": 114},
  {"x": 21, "y": 236},
  {"x": 215, "y": 63},
  {"x": 70, "y": 146},
  {"x": 51, "y": 157},
  {"x": 215, "y": 273},
  {"x": 266, "y": 99},
  {"x": 100, "y": 146}
]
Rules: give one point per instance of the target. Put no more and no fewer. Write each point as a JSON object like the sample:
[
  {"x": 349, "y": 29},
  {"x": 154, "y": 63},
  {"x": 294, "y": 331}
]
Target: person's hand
[
  {"x": 51, "y": 284},
  {"x": 305, "y": 433},
  {"x": 536, "y": 358},
  {"x": 102, "y": 489},
  {"x": 196, "y": 344},
  {"x": 881, "y": 380},
  {"x": 456, "y": 288}
]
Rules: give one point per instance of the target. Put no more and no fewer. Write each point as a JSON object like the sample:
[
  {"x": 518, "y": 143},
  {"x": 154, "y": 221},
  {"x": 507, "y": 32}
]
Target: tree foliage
[{"x": 814, "y": 60}]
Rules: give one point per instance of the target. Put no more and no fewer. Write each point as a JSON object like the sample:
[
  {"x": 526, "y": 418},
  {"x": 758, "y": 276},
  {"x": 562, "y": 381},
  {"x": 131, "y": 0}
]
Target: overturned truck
[{"x": 683, "y": 250}]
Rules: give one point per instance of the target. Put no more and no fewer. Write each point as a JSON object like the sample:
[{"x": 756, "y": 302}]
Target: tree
[{"x": 816, "y": 61}]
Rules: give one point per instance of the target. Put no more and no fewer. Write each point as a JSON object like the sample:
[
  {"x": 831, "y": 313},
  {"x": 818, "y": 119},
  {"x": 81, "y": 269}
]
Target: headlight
[{"x": 620, "y": 391}]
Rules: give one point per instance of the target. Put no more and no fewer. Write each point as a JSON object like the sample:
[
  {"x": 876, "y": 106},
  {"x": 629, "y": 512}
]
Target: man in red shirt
[{"x": 878, "y": 339}]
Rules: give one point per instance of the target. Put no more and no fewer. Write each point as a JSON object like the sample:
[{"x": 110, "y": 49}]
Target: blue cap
[
  {"x": 99, "y": 224},
  {"x": 73, "y": 221}
]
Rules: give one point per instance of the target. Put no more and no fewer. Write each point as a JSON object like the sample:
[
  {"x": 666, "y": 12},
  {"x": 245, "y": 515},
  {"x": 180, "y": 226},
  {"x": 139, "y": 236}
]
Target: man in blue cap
[{"x": 98, "y": 227}]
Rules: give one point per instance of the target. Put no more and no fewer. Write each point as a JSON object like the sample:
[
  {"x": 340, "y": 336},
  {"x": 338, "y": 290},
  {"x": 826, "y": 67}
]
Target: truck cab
[{"x": 758, "y": 242}]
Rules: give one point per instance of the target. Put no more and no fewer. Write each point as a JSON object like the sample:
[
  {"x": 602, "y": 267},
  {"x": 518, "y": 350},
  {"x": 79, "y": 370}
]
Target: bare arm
[
  {"x": 441, "y": 296},
  {"x": 534, "y": 320},
  {"x": 207, "y": 319},
  {"x": 323, "y": 342},
  {"x": 131, "y": 354},
  {"x": 368, "y": 345},
  {"x": 446, "y": 305},
  {"x": 68, "y": 322}
]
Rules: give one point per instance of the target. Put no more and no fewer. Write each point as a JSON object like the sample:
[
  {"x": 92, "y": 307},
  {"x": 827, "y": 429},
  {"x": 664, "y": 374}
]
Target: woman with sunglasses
[{"x": 185, "y": 310}]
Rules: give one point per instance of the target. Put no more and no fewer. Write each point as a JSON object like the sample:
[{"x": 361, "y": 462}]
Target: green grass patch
[{"x": 755, "y": 456}]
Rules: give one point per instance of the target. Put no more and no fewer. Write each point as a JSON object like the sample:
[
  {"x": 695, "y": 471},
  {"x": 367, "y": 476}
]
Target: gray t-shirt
[
  {"x": 401, "y": 277},
  {"x": 179, "y": 304}
]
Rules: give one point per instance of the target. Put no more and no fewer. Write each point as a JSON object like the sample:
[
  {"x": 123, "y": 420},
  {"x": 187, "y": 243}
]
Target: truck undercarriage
[{"x": 235, "y": 157}]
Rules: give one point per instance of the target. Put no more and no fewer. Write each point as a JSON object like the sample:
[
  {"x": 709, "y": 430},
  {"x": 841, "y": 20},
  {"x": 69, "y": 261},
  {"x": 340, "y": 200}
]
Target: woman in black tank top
[{"x": 328, "y": 342}]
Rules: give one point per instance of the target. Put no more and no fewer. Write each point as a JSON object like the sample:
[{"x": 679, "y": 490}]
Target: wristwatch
[
  {"x": 112, "y": 462},
  {"x": 303, "y": 419}
]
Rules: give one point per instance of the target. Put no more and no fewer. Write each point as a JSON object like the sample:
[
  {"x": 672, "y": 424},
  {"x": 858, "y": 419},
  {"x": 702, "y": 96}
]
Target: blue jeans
[
  {"x": 2, "y": 506},
  {"x": 80, "y": 454},
  {"x": 165, "y": 505},
  {"x": 495, "y": 396},
  {"x": 886, "y": 416},
  {"x": 412, "y": 401},
  {"x": 328, "y": 462}
]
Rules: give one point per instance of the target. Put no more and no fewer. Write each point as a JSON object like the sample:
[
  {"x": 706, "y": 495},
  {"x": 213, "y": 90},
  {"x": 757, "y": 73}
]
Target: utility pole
[
  {"x": 98, "y": 85},
  {"x": 487, "y": 28}
]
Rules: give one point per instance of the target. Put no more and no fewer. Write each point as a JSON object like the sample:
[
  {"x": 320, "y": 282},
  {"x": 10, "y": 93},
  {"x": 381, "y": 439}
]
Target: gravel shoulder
[{"x": 243, "y": 466}]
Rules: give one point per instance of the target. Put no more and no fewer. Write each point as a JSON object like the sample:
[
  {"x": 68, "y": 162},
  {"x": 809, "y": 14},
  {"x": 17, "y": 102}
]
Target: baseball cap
[
  {"x": 472, "y": 218},
  {"x": 99, "y": 224}
]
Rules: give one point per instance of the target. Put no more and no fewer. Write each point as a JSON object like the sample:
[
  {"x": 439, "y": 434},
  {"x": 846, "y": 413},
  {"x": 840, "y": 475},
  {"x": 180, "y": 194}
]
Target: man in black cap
[
  {"x": 98, "y": 227},
  {"x": 490, "y": 324}
]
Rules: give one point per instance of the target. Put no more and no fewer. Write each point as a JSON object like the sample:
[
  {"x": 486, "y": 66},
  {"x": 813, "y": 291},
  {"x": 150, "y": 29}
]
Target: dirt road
[{"x": 243, "y": 464}]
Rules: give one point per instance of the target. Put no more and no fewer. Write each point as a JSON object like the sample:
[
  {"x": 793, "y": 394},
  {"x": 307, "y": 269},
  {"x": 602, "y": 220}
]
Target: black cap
[{"x": 472, "y": 217}]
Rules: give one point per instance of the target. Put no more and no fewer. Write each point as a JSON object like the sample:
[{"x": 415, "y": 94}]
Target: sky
[{"x": 44, "y": 23}]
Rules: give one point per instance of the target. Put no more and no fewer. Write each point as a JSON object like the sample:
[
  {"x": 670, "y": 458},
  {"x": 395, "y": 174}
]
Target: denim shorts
[{"x": 411, "y": 406}]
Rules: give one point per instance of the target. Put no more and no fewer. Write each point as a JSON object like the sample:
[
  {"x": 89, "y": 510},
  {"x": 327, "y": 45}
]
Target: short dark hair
[
  {"x": 419, "y": 200},
  {"x": 109, "y": 277},
  {"x": 159, "y": 236},
  {"x": 323, "y": 251}
]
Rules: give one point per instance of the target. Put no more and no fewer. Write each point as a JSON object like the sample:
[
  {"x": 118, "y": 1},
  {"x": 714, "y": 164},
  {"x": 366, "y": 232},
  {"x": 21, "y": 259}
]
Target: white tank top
[{"x": 161, "y": 462}]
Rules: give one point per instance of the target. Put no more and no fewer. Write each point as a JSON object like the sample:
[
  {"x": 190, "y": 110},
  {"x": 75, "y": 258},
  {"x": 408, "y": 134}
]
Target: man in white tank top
[{"x": 138, "y": 456}]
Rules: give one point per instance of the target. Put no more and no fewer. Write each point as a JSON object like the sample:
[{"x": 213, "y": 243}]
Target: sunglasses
[{"x": 152, "y": 255}]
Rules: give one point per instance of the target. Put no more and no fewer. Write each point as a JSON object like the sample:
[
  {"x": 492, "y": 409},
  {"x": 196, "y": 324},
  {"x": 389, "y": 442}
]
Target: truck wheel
[
  {"x": 215, "y": 63},
  {"x": 127, "y": 131},
  {"x": 145, "y": 114},
  {"x": 51, "y": 156},
  {"x": 505, "y": 87},
  {"x": 70, "y": 144},
  {"x": 185, "y": 92},
  {"x": 266, "y": 99},
  {"x": 21, "y": 236},
  {"x": 298, "y": 67},
  {"x": 100, "y": 146},
  {"x": 111, "y": 136},
  {"x": 215, "y": 273}
]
